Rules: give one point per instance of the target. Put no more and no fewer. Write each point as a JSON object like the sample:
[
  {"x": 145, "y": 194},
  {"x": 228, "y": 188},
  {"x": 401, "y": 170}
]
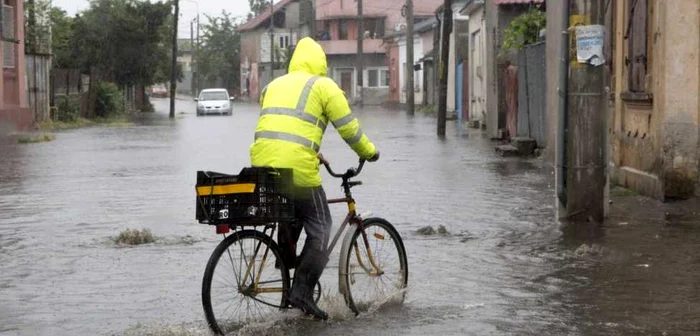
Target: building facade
[
  {"x": 257, "y": 65},
  {"x": 397, "y": 50},
  {"x": 15, "y": 113},
  {"x": 336, "y": 31}
]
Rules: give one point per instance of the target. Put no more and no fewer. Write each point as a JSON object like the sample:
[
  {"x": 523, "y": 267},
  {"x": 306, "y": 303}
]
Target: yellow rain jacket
[{"x": 296, "y": 108}]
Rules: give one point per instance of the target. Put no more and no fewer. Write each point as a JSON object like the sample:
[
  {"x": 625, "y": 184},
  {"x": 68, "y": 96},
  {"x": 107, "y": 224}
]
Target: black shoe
[{"x": 308, "y": 306}]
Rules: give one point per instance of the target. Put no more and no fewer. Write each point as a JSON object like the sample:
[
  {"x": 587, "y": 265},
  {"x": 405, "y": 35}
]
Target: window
[
  {"x": 8, "y": 36},
  {"x": 343, "y": 30},
  {"x": 373, "y": 78},
  {"x": 284, "y": 42},
  {"x": 384, "y": 78},
  {"x": 636, "y": 35},
  {"x": 378, "y": 77},
  {"x": 375, "y": 27}
]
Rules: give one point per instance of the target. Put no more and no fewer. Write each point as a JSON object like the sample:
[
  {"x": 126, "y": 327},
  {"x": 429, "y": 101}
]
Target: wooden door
[{"x": 346, "y": 82}]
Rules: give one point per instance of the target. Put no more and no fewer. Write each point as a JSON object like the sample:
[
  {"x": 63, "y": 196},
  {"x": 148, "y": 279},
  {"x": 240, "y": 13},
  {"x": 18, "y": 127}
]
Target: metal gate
[{"x": 38, "y": 85}]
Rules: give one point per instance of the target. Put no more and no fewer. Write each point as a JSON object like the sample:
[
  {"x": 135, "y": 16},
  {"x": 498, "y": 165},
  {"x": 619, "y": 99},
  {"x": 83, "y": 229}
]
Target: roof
[
  {"x": 514, "y": 2},
  {"x": 256, "y": 21}
]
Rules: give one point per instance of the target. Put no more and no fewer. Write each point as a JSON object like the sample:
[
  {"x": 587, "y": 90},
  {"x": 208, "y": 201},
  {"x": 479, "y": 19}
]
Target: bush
[
  {"x": 68, "y": 110},
  {"x": 525, "y": 29},
  {"x": 110, "y": 100}
]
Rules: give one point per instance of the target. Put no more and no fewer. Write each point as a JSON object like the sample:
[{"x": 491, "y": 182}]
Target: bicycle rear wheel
[
  {"x": 241, "y": 284},
  {"x": 361, "y": 283}
]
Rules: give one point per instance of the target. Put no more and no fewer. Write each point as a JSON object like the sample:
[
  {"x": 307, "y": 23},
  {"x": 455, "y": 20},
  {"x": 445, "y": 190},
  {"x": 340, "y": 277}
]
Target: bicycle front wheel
[
  {"x": 373, "y": 266},
  {"x": 245, "y": 281}
]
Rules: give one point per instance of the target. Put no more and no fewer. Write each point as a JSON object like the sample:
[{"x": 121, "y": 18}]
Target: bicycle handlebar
[{"x": 350, "y": 173}]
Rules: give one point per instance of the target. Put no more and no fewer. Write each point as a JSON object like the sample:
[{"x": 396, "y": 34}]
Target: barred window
[{"x": 8, "y": 36}]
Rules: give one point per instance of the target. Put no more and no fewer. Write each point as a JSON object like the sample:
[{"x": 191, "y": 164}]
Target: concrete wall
[
  {"x": 654, "y": 143},
  {"x": 336, "y": 62},
  {"x": 678, "y": 86},
  {"x": 250, "y": 62},
  {"x": 478, "y": 76},
  {"x": 497, "y": 20},
  {"x": 417, "y": 50}
]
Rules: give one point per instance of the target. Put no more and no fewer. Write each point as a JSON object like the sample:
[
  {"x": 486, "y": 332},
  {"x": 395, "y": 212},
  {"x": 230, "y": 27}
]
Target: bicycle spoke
[
  {"x": 383, "y": 278},
  {"x": 260, "y": 288}
]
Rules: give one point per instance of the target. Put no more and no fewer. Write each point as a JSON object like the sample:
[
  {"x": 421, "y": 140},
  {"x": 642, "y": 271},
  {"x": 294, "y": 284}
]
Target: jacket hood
[{"x": 309, "y": 57}]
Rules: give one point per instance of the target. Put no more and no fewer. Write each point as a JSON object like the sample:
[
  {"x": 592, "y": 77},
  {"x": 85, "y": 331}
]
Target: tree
[
  {"x": 219, "y": 54},
  {"x": 62, "y": 28},
  {"x": 257, "y": 7},
  {"x": 127, "y": 40}
]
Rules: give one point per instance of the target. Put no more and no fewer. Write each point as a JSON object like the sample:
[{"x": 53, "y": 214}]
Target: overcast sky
[{"x": 188, "y": 10}]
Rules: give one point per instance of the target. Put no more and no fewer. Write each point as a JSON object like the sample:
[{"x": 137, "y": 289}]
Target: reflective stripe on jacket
[{"x": 296, "y": 109}]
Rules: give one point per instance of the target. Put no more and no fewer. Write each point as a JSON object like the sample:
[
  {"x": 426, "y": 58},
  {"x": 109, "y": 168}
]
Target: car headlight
[{"x": 226, "y": 105}]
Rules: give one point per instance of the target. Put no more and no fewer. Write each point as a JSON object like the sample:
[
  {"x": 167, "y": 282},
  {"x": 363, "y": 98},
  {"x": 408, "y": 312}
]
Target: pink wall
[
  {"x": 13, "y": 104},
  {"x": 391, "y": 9}
]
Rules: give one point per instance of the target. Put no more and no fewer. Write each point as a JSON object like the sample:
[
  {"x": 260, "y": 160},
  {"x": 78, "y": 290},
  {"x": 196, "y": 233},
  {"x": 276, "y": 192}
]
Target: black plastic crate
[{"x": 256, "y": 196}]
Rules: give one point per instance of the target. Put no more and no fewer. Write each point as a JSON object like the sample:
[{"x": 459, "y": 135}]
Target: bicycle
[{"x": 264, "y": 283}]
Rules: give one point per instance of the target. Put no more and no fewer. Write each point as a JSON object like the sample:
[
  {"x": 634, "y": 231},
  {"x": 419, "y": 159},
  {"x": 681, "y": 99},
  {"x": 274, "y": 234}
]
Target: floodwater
[{"x": 507, "y": 267}]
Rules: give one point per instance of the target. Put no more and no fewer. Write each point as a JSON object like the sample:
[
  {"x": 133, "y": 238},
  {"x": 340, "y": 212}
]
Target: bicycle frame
[{"x": 350, "y": 219}]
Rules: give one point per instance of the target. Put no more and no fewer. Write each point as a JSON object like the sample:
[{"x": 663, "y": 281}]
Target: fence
[
  {"x": 69, "y": 84},
  {"x": 38, "y": 85},
  {"x": 532, "y": 87}
]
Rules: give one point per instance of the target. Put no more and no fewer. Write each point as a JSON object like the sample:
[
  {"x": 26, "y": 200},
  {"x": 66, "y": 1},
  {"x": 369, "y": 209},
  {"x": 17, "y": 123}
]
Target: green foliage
[
  {"x": 219, "y": 53},
  {"x": 257, "y": 7},
  {"x": 68, "y": 109},
  {"x": 128, "y": 40},
  {"x": 61, "y": 34},
  {"x": 524, "y": 30},
  {"x": 37, "y": 27},
  {"x": 110, "y": 101},
  {"x": 34, "y": 138}
]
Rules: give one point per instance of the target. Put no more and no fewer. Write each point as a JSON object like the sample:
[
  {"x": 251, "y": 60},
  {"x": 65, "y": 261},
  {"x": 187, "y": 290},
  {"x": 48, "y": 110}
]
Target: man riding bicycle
[{"x": 296, "y": 108}]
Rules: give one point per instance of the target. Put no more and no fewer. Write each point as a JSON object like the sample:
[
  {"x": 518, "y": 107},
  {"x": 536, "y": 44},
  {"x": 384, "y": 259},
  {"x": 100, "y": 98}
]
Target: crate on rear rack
[{"x": 256, "y": 196}]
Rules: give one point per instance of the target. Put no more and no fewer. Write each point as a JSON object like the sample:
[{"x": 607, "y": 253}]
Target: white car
[{"x": 214, "y": 101}]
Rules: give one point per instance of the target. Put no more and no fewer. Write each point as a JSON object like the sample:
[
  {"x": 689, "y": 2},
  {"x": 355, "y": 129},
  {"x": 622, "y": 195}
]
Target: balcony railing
[{"x": 344, "y": 47}]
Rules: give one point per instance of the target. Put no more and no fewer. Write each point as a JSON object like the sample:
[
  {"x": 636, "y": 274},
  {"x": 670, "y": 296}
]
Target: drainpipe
[{"x": 561, "y": 157}]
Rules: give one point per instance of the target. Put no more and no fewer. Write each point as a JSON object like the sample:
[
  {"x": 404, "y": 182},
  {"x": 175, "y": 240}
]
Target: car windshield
[{"x": 213, "y": 96}]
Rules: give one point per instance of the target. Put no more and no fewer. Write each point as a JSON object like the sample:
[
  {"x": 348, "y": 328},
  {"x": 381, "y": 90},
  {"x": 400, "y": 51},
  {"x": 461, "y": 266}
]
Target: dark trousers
[{"x": 314, "y": 216}]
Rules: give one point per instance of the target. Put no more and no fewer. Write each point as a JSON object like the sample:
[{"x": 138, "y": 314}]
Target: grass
[
  {"x": 135, "y": 237},
  {"x": 427, "y": 109},
  {"x": 622, "y": 192},
  {"x": 34, "y": 138},
  {"x": 63, "y": 125},
  {"x": 118, "y": 121}
]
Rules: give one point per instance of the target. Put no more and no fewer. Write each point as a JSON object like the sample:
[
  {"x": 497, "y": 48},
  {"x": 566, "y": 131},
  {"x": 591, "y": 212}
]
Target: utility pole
[
  {"x": 444, "y": 63},
  {"x": 196, "y": 77},
  {"x": 272, "y": 40},
  {"x": 360, "y": 52},
  {"x": 586, "y": 128},
  {"x": 409, "y": 58},
  {"x": 192, "y": 89},
  {"x": 173, "y": 67}
]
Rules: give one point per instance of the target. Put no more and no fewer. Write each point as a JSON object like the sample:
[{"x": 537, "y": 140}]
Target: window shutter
[{"x": 637, "y": 58}]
